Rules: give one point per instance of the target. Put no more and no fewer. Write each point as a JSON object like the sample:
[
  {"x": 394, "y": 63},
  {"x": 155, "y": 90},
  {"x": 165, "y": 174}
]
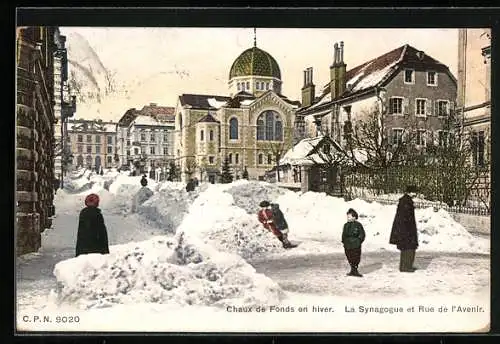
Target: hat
[
  {"x": 92, "y": 200},
  {"x": 411, "y": 188},
  {"x": 353, "y": 213},
  {"x": 264, "y": 204}
]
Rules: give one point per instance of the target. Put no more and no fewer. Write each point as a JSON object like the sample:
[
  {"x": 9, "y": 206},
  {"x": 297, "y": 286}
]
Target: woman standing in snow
[
  {"x": 92, "y": 236},
  {"x": 404, "y": 230}
]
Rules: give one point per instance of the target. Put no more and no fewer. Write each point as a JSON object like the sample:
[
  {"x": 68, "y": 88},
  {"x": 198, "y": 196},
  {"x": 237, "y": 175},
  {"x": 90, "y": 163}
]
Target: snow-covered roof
[
  {"x": 300, "y": 154},
  {"x": 110, "y": 127},
  {"x": 246, "y": 102},
  {"x": 375, "y": 72},
  {"x": 216, "y": 103},
  {"x": 147, "y": 120}
]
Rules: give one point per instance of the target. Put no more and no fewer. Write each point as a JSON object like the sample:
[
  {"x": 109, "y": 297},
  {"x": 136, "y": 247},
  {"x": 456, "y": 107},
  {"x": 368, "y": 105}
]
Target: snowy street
[{"x": 228, "y": 260}]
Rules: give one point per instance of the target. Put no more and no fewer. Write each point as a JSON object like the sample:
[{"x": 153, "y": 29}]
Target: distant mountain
[{"x": 89, "y": 79}]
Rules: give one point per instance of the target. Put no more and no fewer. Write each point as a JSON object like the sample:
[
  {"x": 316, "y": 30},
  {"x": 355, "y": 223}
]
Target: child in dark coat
[
  {"x": 92, "y": 236},
  {"x": 353, "y": 236}
]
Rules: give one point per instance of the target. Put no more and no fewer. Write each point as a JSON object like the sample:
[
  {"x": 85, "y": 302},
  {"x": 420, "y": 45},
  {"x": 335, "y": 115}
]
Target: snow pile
[
  {"x": 79, "y": 182},
  {"x": 166, "y": 270},
  {"x": 248, "y": 194},
  {"x": 230, "y": 224},
  {"x": 167, "y": 207},
  {"x": 315, "y": 216},
  {"x": 140, "y": 197}
]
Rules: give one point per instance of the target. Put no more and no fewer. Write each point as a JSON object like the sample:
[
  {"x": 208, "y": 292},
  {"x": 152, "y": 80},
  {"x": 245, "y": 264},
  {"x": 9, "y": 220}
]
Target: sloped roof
[
  {"x": 303, "y": 153},
  {"x": 148, "y": 120},
  {"x": 91, "y": 126},
  {"x": 208, "y": 118},
  {"x": 162, "y": 113},
  {"x": 128, "y": 117},
  {"x": 200, "y": 101},
  {"x": 376, "y": 72}
]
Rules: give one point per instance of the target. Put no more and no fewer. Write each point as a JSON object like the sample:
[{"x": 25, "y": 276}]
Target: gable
[{"x": 269, "y": 98}]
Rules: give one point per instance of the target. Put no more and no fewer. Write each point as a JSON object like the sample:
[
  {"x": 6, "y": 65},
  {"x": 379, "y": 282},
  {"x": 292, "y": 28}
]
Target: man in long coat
[
  {"x": 404, "y": 230},
  {"x": 92, "y": 236}
]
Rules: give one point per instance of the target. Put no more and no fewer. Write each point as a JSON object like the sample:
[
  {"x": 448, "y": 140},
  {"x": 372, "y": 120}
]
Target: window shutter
[
  {"x": 450, "y": 108},
  {"x": 389, "y": 110},
  {"x": 436, "y": 107},
  {"x": 406, "y": 106},
  {"x": 428, "y": 110}
]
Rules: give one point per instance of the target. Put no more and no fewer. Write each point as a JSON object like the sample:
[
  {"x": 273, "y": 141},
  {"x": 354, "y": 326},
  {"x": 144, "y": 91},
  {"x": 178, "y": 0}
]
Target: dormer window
[
  {"x": 409, "y": 75},
  {"x": 238, "y": 86},
  {"x": 431, "y": 79}
]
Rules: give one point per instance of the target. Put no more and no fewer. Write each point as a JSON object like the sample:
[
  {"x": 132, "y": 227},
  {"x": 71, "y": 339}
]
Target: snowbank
[
  {"x": 227, "y": 226},
  {"x": 317, "y": 216},
  {"x": 167, "y": 208},
  {"x": 178, "y": 270}
]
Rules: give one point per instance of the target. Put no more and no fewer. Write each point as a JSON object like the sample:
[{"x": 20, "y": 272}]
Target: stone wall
[{"x": 35, "y": 135}]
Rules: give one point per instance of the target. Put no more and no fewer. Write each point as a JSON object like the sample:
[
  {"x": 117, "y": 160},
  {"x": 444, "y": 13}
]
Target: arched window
[
  {"x": 230, "y": 158},
  {"x": 269, "y": 126},
  {"x": 79, "y": 160},
  {"x": 233, "y": 129},
  {"x": 238, "y": 85},
  {"x": 211, "y": 133},
  {"x": 269, "y": 159},
  {"x": 202, "y": 135},
  {"x": 248, "y": 85},
  {"x": 260, "y": 159},
  {"x": 236, "y": 158}
]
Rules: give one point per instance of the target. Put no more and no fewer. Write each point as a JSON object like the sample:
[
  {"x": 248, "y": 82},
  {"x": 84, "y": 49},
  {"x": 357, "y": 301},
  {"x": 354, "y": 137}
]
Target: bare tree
[
  {"x": 190, "y": 166},
  {"x": 381, "y": 146},
  {"x": 279, "y": 148}
]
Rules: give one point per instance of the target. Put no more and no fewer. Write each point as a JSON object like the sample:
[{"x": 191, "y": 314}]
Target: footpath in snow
[{"x": 191, "y": 253}]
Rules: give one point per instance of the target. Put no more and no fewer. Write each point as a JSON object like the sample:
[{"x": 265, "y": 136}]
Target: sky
[{"x": 159, "y": 64}]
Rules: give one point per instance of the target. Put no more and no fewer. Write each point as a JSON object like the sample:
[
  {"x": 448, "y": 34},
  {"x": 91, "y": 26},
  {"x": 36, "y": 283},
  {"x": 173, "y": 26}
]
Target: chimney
[
  {"x": 334, "y": 72},
  {"x": 309, "y": 90},
  {"x": 152, "y": 104},
  {"x": 341, "y": 72}
]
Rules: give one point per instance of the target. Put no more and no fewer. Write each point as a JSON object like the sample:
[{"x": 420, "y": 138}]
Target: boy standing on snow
[
  {"x": 92, "y": 236},
  {"x": 353, "y": 236}
]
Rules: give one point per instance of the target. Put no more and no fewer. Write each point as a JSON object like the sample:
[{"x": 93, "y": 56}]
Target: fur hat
[
  {"x": 92, "y": 200},
  {"x": 353, "y": 212},
  {"x": 264, "y": 204},
  {"x": 410, "y": 189}
]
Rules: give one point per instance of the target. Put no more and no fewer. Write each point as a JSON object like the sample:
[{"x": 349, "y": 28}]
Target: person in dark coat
[
  {"x": 190, "y": 185},
  {"x": 404, "y": 230},
  {"x": 353, "y": 235},
  {"x": 196, "y": 182},
  {"x": 144, "y": 181},
  {"x": 92, "y": 236},
  {"x": 265, "y": 216},
  {"x": 281, "y": 224}
]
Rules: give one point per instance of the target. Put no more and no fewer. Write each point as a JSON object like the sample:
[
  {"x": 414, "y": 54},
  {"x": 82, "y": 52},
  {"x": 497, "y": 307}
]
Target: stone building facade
[
  {"x": 35, "y": 49},
  {"x": 474, "y": 99},
  {"x": 408, "y": 91},
  {"x": 145, "y": 138},
  {"x": 405, "y": 85},
  {"x": 246, "y": 128},
  {"x": 93, "y": 143}
]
